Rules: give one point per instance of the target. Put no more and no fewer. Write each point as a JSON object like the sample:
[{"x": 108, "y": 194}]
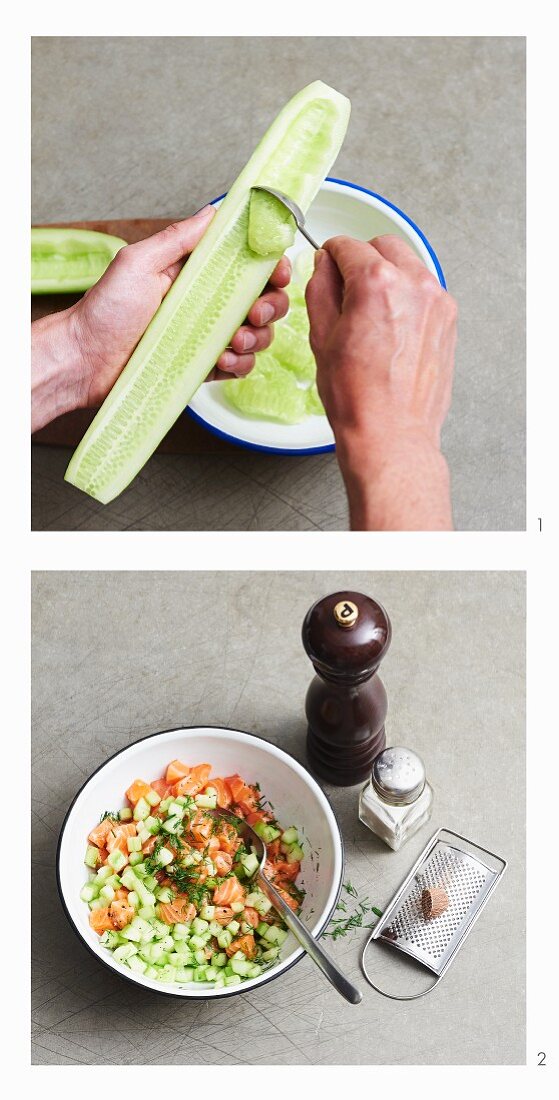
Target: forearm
[
  {"x": 396, "y": 484},
  {"x": 56, "y": 368}
]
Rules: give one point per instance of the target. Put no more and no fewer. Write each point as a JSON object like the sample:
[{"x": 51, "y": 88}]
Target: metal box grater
[{"x": 468, "y": 880}]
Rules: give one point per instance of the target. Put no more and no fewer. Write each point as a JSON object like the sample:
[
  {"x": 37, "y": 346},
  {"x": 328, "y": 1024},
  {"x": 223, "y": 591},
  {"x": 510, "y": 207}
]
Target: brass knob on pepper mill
[{"x": 346, "y": 636}]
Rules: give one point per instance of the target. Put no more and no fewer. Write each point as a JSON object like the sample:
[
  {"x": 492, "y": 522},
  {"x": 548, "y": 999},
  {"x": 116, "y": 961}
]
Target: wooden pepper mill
[{"x": 346, "y": 635}]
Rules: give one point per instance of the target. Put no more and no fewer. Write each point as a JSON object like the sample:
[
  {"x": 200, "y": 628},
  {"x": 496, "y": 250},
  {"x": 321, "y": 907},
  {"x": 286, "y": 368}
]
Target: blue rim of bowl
[
  {"x": 328, "y": 447},
  {"x": 203, "y": 995}
]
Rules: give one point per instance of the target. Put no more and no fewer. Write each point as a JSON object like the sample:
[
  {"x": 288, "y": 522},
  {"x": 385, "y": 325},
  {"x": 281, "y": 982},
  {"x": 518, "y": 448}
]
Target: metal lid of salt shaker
[{"x": 398, "y": 775}]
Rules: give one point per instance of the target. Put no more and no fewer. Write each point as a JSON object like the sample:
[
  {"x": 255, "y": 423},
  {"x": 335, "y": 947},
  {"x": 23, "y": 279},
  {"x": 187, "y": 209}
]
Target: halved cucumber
[
  {"x": 211, "y": 297},
  {"x": 67, "y": 261}
]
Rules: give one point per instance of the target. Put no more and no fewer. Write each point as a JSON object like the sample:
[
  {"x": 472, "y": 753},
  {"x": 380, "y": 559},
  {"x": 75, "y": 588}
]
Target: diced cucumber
[
  {"x": 281, "y": 936},
  {"x": 143, "y": 834},
  {"x": 184, "y": 974},
  {"x": 257, "y": 900},
  {"x": 233, "y": 927},
  {"x": 219, "y": 958},
  {"x": 137, "y": 964},
  {"x": 266, "y": 831},
  {"x": 164, "y": 804},
  {"x": 290, "y": 836},
  {"x": 172, "y": 824},
  {"x": 135, "y": 858},
  {"x": 89, "y": 892},
  {"x": 199, "y": 926},
  {"x": 107, "y": 892},
  {"x": 152, "y": 797},
  {"x": 254, "y": 970},
  {"x": 164, "y": 857},
  {"x": 133, "y": 899},
  {"x": 271, "y": 954},
  {"x": 197, "y": 941},
  {"x": 146, "y": 912},
  {"x": 125, "y": 814},
  {"x": 164, "y": 894},
  {"x": 237, "y": 906},
  {"x": 151, "y": 972},
  {"x": 215, "y": 928},
  {"x": 212, "y": 295},
  {"x": 225, "y": 938},
  {"x": 152, "y": 825},
  {"x": 200, "y": 957},
  {"x": 262, "y": 928},
  {"x": 140, "y": 868},
  {"x": 103, "y": 874},
  {"x": 176, "y": 810},
  {"x": 181, "y": 931},
  {"x": 183, "y": 949},
  {"x": 167, "y": 974},
  {"x": 206, "y": 801},
  {"x": 207, "y": 912},
  {"x": 232, "y": 979},
  {"x": 134, "y": 843},
  {"x": 295, "y": 854},
  {"x": 200, "y": 974},
  {"x": 92, "y": 857},
  {"x": 125, "y": 952},
  {"x": 157, "y": 953},
  {"x": 116, "y": 859},
  {"x": 141, "y": 810},
  {"x": 211, "y": 973},
  {"x": 220, "y": 981},
  {"x": 110, "y": 940},
  {"x": 272, "y": 934},
  {"x": 250, "y": 863}
]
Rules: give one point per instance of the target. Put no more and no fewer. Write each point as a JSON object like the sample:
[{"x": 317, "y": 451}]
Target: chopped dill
[
  {"x": 111, "y": 814},
  {"x": 356, "y": 919}
]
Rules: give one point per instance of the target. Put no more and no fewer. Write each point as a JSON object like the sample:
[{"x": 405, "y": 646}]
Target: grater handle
[{"x": 384, "y": 992}]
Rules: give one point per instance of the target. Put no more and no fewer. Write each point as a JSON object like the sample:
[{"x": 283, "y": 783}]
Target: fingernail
[
  {"x": 318, "y": 257},
  {"x": 249, "y": 340},
  {"x": 204, "y": 211},
  {"x": 266, "y": 313},
  {"x": 228, "y": 359}
]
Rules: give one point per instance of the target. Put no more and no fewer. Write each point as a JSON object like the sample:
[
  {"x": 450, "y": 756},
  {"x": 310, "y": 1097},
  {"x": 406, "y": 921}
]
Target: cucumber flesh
[
  {"x": 69, "y": 260},
  {"x": 210, "y": 298}
]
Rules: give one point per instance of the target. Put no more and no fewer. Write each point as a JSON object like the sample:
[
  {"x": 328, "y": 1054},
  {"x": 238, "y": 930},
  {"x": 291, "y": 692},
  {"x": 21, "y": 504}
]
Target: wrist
[
  {"x": 395, "y": 480},
  {"x": 58, "y": 369}
]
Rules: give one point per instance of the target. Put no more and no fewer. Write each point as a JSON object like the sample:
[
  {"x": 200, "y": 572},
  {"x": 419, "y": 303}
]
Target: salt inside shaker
[{"x": 397, "y": 800}]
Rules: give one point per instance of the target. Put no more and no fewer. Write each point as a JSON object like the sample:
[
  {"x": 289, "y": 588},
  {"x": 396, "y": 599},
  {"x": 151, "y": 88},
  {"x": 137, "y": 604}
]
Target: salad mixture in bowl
[{"x": 171, "y": 887}]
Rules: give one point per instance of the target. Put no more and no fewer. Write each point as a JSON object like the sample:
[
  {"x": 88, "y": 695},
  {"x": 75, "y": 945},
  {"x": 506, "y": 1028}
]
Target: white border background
[{"x": 91, "y": 550}]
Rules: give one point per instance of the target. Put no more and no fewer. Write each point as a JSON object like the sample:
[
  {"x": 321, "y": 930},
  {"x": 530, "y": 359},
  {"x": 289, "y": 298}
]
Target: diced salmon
[
  {"x": 223, "y": 914},
  {"x": 161, "y": 787},
  {"x": 228, "y": 839},
  {"x": 121, "y": 913},
  {"x": 245, "y": 944},
  {"x": 228, "y": 891},
  {"x": 98, "y": 835},
  {"x": 251, "y": 916},
  {"x": 256, "y": 815},
  {"x": 149, "y": 845},
  {"x": 286, "y": 872},
  {"x": 201, "y": 830},
  {"x": 137, "y": 790},
  {"x": 117, "y": 837},
  {"x": 223, "y": 863},
  {"x": 240, "y": 791},
  {"x": 178, "y": 911},
  {"x": 100, "y": 920},
  {"x": 121, "y": 894},
  {"x": 175, "y": 771},
  {"x": 193, "y": 782},
  {"x": 213, "y": 846},
  {"x": 292, "y": 903},
  {"x": 273, "y": 849}
]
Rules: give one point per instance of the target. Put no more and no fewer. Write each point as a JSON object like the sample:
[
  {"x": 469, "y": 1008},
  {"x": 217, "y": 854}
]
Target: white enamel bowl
[
  {"x": 340, "y": 208},
  {"x": 297, "y": 800}
]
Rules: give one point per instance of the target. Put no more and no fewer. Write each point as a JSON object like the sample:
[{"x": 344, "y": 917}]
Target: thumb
[
  {"x": 324, "y": 295},
  {"x": 172, "y": 244}
]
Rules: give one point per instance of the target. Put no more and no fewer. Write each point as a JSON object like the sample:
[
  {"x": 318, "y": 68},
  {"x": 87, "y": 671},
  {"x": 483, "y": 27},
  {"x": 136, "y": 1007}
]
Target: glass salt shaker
[{"x": 397, "y": 800}]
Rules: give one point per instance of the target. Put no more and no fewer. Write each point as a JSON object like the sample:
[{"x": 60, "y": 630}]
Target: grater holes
[{"x": 462, "y": 879}]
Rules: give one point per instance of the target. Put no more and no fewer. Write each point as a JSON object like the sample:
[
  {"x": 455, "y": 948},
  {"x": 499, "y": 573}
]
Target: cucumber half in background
[
  {"x": 69, "y": 261},
  {"x": 212, "y": 295}
]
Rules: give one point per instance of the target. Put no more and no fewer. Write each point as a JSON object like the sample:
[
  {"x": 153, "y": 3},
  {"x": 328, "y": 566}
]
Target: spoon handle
[
  {"x": 302, "y": 229},
  {"x": 312, "y": 946}
]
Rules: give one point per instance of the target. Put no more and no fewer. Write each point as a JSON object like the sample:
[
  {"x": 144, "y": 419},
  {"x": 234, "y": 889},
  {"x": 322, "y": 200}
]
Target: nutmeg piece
[{"x": 434, "y": 901}]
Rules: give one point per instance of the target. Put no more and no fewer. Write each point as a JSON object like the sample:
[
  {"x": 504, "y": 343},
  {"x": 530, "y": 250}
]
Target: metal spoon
[
  {"x": 293, "y": 209},
  {"x": 311, "y": 946}
]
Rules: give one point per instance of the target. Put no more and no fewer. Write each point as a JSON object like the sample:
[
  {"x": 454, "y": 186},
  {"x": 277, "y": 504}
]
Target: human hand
[
  {"x": 383, "y": 333},
  {"x": 78, "y": 354}
]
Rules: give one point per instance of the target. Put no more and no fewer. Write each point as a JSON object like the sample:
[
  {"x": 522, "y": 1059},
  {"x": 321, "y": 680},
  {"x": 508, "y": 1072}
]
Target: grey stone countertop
[
  {"x": 115, "y": 658},
  {"x": 135, "y": 127}
]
